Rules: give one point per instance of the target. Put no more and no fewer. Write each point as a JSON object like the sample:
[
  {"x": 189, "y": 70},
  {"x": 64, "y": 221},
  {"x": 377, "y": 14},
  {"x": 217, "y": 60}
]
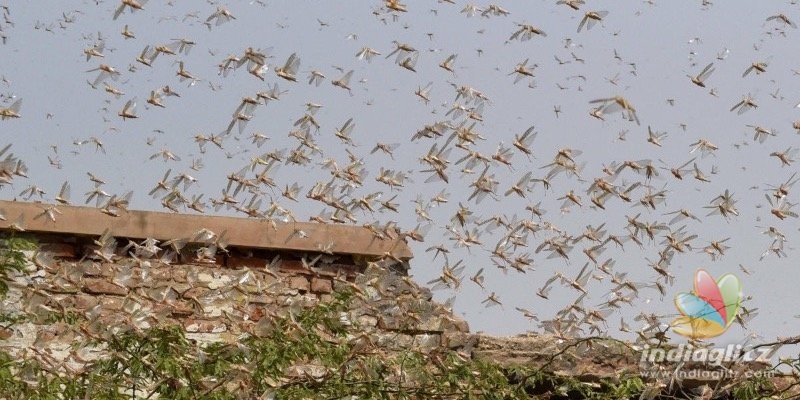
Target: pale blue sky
[{"x": 656, "y": 48}]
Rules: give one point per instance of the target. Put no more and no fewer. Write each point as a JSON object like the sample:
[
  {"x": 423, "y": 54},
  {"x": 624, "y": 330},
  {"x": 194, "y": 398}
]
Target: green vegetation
[
  {"x": 12, "y": 257},
  {"x": 308, "y": 355},
  {"x": 311, "y": 355}
]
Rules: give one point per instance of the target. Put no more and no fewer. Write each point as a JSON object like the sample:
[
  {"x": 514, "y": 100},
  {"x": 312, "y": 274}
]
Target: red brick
[
  {"x": 293, "y": 266},
  {"x": 246, "y": 262},
  {"x": 59, "y": 249},
  {"x": 101, "y": 286},
  {"x": 321, "y": 285}
]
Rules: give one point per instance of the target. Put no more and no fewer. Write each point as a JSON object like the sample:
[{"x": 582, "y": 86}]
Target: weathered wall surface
[
  {"x": 241, "y": 296},
  {"x": 213, "y": 302}
]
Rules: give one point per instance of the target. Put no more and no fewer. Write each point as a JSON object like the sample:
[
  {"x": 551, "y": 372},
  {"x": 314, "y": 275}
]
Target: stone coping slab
[{"x": 240, "y": 232}]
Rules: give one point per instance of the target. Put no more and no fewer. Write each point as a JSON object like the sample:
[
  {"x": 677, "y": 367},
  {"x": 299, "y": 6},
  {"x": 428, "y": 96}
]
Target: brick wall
[{"x": 238, "y": 294}]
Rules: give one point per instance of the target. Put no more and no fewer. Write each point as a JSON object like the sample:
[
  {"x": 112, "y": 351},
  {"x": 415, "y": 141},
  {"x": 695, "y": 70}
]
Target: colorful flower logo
[{"x": 710, "y": 309}]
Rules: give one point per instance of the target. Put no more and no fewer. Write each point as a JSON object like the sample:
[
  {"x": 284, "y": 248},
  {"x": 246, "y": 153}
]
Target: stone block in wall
[
  {"x": 432, "y": 324},
  {"x": 189, "y": 257},
  {"x": 180, "y": 287},
  {"x": 261, "y": 328},
  {"x": 391, "y": 323},
  {"x": 33, "y": 302},
  {"x": 254, "y": 312},
  {"x": 48, "y": 335},
  {"x": 248, "y": 281},
  {"x": 204, "y": 326},
  {"x": 195, "y": 293},
  {"x": 112, "y": 303},
  {"x": 123, "y": 272},
  {"x": 220, "y": 281},
  {"x": 321, "y": 285},
  {"x": 299, "y": 283},
  {"x": 338, "y": 284},
  {"x": 90, "y": 268},
  {"x": 102, "y": 286},
  {"x": 161, "y": 293},
  {"x": 427, "y": 342},
  {"x": 329, "y": 270},
  {"x": 455, "y": 340},
  {"x": 295, "y": 302},
  {"x": 160, "y": 274},
  {"x": 108, "y": 270},
  {"x": 337, "y": 269},
  {"x": 159, "y": 310},
  {"x": 181, "y": 309},
  {"x": 58, "y": 284},
  {"x": 201, "y": 278},
  {"x": 357, "y": 310},
  {"x": 84, "y": 302},
  {"x": 261, "y": 299},
  {"x": 394, "y": 340},
  {"x": 459, "y": 324},
  {"x": 421, "y": 342},
  {"x": 179, "y": 275},
  {"x": 71, "y": 271},
  {"x": 266, "y": 279},
  {"x": 365, "y": 321},
  {"x": 442, "y": 321}
]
